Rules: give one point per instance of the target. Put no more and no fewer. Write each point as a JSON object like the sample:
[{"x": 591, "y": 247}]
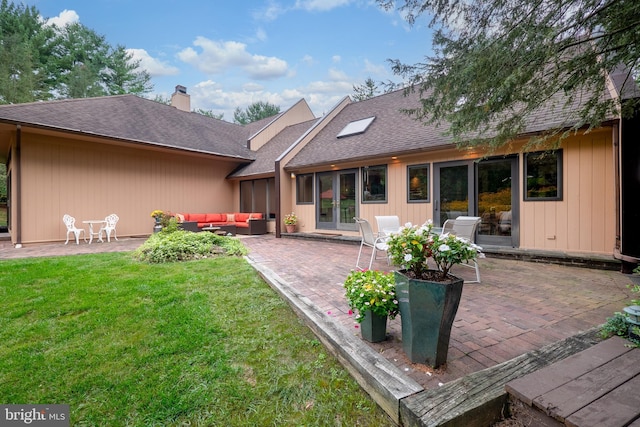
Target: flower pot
[
  {"x": 427, "y": 310},
  {"x": 373, "y": 327},
  {"x": 291, "y": 228}
]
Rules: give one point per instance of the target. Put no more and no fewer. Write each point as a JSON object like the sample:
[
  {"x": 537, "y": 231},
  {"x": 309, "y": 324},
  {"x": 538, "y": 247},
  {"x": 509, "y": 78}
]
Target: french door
[
  {"x": 488, "y": 189},
  {"x": 336, "y": 194}
]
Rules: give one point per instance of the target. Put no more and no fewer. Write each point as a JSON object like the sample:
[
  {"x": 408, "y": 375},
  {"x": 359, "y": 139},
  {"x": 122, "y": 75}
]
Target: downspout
[
  {"x": 278, "y": 200},
  {"x": 18, "y": 196},
  {"x": 616, "y": 129}
]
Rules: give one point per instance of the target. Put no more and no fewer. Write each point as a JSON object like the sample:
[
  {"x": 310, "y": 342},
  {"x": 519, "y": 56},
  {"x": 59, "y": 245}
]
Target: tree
[
  {"x": 209, "y": 113},
  {"x": 40, "y": 62},
  {"x": 85, "y": 65},
  {"x": 23, "y": 50},
  {"x": 365, "y": 91},
  {"x": 254, "y": 112},
  {"x": 495, "y": 62}
]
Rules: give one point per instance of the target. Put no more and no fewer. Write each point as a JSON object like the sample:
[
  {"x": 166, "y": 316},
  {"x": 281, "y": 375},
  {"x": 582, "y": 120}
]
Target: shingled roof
[
  {"x": 267, "y": 154},
  {"x": 393, "y": 132},
  {"x": 134, "y": 119}
]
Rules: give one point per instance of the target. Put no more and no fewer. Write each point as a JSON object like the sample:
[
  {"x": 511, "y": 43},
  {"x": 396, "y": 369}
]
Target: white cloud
[
  {"x": 261, "y": 34},
  {"x": 153, "y": 66},
  {"x": 336, "y": 59},
  {"x": 308, "y": 60},
  {"x": 320, "y": 5},
  {"x": 337, "y": 75},
  {"x": 270, "y": 13},
  {"x": 217, "y": 57},
  {"x": 65, "y": 17},
  {"x": 376, "y": 70}
]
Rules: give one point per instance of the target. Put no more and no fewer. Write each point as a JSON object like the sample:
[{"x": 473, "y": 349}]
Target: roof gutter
[{"x": 124, "y": 140}]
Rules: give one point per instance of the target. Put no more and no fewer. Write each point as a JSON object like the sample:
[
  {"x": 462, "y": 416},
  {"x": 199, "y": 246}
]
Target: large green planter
[
  {"x": 373, "y": 327},
  {"x": 427, "y": 311}
]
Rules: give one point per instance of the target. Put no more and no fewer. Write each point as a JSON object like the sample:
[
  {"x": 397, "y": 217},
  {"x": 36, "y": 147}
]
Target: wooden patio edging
[
  {"x": 382, "y": 380},
  {"x": 480, "y": 398}
]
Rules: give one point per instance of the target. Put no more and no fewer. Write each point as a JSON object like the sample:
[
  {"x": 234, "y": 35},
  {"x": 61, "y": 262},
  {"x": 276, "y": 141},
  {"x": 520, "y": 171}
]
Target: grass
[{"x": 203, "y": 342}]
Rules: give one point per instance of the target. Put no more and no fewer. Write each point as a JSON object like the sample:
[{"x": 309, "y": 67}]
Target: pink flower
[{"x": 350, "y": 312}]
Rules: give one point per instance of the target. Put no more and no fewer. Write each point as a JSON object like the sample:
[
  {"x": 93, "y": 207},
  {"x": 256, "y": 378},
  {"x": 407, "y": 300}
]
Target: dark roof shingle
[{"x": 135, "y": 119}]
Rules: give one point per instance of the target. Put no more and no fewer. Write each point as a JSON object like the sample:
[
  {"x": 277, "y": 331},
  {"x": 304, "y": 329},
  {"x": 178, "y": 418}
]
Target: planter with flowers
[
  {"x": 372, "y": 295},
  {"x": 290, "y": 221},
  {"x": 428, "y": 298},
  {"x": 157, "y": 215}
]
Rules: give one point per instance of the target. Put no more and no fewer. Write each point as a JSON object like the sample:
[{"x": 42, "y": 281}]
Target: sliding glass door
[{"x": 488, "y": 189}]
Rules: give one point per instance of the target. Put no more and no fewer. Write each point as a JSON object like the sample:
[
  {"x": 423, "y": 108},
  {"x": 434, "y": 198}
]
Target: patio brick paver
[{"x": 520, "y": 306}]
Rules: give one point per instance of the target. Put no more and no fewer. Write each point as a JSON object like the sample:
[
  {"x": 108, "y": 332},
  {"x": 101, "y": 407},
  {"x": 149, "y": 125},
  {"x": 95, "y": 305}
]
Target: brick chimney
[{"x": 180, "y": 99}]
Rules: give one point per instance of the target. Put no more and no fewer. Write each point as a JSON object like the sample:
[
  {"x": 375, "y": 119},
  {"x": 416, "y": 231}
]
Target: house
[
  {"x": 124, "y": 154},
  {"x": 91, "y": 157}
]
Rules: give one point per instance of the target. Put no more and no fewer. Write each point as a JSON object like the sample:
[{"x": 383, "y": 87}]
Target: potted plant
[
  {"x": 372, "y": 295},
  {"x": 428, "y": 298},
  {"x": 157, "y": 215},
  {"x": 290, "y": 221}
]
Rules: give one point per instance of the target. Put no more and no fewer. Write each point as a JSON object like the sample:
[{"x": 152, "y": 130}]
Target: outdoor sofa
[{"x": 234, "y": 223}]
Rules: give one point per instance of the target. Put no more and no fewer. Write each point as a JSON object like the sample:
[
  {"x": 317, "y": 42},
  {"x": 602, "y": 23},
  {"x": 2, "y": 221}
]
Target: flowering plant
[
  {"x": 291, "y": 219},
  {"x": 157, "y": 214},
  {"x": 411, "y": 247},
  {"x": 371, "y": 290}
]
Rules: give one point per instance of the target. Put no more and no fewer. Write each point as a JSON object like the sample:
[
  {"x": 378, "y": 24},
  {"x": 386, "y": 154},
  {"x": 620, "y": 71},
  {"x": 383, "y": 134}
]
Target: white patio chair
[
  {"x": 110, "y": 226},
  {"x": 369, "y": 239},
  {"x": 465, "y": 227},
  {"x": 70, "y": 223},
  {"x": 387, "y": 224}
]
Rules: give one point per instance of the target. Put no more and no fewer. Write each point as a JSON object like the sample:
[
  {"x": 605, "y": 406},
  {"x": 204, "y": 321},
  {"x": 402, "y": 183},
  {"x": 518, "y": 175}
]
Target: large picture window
[
  {"x": 543, "y": 175},
  {"x": 304, "y": 189},
  {"x": 417, "y": 183},
  {"x": 374, "y": 184}
]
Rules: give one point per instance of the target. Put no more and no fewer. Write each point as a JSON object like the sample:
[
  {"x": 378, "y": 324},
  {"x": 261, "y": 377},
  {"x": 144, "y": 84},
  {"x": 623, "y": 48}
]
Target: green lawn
[{"x": 203, "y": 342}]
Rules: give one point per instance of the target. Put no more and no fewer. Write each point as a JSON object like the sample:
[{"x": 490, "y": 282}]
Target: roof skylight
[{"x": 356, "y": 127}]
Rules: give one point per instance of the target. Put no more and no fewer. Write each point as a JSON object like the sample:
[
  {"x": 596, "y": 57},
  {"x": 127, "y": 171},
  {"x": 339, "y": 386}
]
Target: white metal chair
[
  {"x": 369, "y": 239},
  {"x": 110, "y": 226},
  {"x": 70, "y": 223},
  {"x": 387, "y": 224},
  {"x": 465, "y": 227}
]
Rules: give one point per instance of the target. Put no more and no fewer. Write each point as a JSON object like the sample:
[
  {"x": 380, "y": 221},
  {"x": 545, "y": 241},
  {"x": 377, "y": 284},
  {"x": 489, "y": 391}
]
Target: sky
[{"x": 232, "y": 53}]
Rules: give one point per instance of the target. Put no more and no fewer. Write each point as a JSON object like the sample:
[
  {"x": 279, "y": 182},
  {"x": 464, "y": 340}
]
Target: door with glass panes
[
  {"x": 336, "y": 195},
  {"x": 488, "y": 189}
]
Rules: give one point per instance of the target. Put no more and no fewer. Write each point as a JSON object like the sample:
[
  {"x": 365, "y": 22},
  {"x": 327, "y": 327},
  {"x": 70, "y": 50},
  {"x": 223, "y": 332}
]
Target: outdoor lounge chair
[
  {"x": 465, "y": 227},
  {"x": 369, "y": 239},
  {"x": 70, "y": 223},
  {"x": 387, "y": 224}
]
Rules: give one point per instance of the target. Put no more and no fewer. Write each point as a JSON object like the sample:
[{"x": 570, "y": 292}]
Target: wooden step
[{"x": 598, "y": 386}]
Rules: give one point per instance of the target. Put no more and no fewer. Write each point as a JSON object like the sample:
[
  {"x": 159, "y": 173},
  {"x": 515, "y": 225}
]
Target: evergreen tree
[
  {"x": 495, "y": 62},
  {"x": 254, "y": 112}
]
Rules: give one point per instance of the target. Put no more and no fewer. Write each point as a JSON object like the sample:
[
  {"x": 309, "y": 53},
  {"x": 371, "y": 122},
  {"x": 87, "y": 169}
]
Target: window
[
  {"x": 258, "y": 195},
  {"x": 374, "y": 183},
  {"x": 304, "y": 189},
  {"x": 356, "y": 127},
  {"x": 543, "y": 175},
  {"x": 418, "y": 183}
]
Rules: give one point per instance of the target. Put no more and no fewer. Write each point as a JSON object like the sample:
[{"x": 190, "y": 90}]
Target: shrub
[{"x": 180, "y": 245}]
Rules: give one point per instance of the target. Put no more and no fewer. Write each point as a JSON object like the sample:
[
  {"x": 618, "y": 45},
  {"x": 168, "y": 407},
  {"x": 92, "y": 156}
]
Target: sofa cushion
[
  {"x": 196, "y": 217},
  {"x": 216, "y": 217}
]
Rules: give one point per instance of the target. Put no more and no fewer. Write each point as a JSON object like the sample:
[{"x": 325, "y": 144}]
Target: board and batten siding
[
  {"x": 93, "y": 180},
  {"x": 582, "y": 222}
]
